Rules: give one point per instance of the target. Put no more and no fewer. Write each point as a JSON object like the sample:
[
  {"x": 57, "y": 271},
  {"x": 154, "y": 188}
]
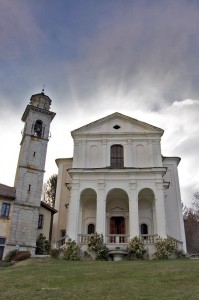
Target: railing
[
  {"x": 117, "y": 239},
  {"x": 61, "y": 242},
  {"x": 149, "y": 238},
  {"x": 110, "y": 239},
  {"x": 83, "y": 238}
]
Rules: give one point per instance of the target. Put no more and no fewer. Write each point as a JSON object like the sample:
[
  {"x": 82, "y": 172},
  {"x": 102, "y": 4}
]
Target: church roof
[
  {"x": 7, "y": 191},
  {"x": 118, "y": 117}
]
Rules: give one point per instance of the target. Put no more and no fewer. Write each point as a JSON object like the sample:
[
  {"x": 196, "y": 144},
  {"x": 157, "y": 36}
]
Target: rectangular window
[
  {"x": 40, "y": 221},
  {"x": 2, "y": 241},
  {"x": 5, "y": 210},
  {"x": 117, "y": 156}
]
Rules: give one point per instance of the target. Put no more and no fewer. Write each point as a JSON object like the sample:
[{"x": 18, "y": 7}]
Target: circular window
[{"x": 116, "y": 127}]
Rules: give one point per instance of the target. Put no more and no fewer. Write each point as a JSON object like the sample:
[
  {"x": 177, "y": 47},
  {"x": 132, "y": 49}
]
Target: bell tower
[{"x": 30, "y": 172}]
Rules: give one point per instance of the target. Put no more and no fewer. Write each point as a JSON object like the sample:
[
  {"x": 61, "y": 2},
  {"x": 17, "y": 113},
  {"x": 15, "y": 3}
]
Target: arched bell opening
[
  {"x": 38, "y": 128},
  {"x": 117, "y": 216}
]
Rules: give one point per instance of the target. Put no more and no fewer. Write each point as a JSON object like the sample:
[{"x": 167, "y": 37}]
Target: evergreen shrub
[
  {"x": 96, "y": 244},
  {"x": 42, "y": 245},
  {"x": 72, "y": 251},
  {"x": 136, "y": 248},
  {"x": 165, "y": 248}
]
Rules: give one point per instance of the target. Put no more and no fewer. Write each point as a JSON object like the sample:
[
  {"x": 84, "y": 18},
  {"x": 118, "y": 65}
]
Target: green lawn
[{"x": 55, "y": 279}]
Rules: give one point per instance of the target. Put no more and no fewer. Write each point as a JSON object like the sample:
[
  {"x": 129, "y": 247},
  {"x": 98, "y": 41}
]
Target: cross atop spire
[{"x": 43, "y": 88}]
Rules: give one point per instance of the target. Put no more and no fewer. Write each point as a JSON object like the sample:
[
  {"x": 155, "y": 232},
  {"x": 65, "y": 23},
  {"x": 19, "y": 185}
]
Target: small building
[
  {"x": 118, "y": 184},
  {"x": 45, "y": 220},
  {"x": 7, "y": 196}
]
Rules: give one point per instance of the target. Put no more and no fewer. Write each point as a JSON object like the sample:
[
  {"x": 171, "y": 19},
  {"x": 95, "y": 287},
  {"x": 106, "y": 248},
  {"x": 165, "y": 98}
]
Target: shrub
[
  {"x": 10, "y": 256},
  {"x": 4, "y": 263},
  {"x": 42, "y": 245},
  {"x": 96, "y": 244},
  {"x": 72, "y": 250},
  {"x": 136, "y": 248},
  {"x": 54, "y": 253},
  {"x": 22, "y": 255},
  {"x": 165, "y": 248}
]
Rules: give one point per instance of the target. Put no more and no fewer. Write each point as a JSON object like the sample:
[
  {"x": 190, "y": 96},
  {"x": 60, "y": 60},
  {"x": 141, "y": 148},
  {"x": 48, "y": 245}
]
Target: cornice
[{"x": 36, "y": 109}]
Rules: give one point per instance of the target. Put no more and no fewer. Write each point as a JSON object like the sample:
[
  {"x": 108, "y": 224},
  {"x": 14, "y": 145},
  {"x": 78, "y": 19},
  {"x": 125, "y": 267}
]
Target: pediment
[
  {"x": 116, "y": 208},
  {"x": 117, "y": 123}
]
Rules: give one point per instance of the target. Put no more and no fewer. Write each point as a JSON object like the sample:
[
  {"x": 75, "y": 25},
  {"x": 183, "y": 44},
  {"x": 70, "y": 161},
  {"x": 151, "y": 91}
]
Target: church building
[{"x": 118, "y": 184}]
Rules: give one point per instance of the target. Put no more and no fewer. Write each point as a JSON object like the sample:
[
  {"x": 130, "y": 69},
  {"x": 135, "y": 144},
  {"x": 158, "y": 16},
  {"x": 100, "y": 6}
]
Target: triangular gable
[{"x": 119, "y": 124}]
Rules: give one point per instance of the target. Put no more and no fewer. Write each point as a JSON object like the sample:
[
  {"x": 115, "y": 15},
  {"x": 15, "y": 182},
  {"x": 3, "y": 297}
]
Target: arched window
[
  {"x": 144, "y": 228},
  {"x": 117, "y": 156},
  {"x": 91, "y": 228},
  {"x": 38, "y": 128}
]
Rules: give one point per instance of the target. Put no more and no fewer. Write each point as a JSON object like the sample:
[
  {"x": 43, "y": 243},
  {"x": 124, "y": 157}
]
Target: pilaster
[
  {"x": 133, "y": 210},
  {"x": 74, "y": 211},
  {"x": 160, "y": 210},
  {"x": 101, "y": 208}
]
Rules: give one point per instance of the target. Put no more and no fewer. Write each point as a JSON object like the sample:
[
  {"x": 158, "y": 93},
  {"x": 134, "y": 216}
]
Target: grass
[{"x": 55, "y": 279}]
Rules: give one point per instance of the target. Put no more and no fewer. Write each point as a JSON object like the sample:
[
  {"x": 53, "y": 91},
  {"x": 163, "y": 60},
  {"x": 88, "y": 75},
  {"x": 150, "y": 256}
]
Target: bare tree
[
  {"x": 191, "y": 223},
  {"x": 49, "y": 190}
]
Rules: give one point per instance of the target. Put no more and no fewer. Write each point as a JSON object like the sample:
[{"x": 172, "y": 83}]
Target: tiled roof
[
  {"x": 48, "y": 207},
  {"x": 7, "y": 191}
]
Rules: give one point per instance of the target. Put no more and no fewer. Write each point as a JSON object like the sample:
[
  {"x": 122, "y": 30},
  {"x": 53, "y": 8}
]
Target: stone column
[
  {"x": 160, "y": 210},
  {"x": 101, "y": 209},
  {"x": 73, "y": 215},
  {"x": 133, "y": 210}
]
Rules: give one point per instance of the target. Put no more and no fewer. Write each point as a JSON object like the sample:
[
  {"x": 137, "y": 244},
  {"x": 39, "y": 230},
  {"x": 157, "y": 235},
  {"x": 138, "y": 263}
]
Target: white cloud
[{"x": 136, "y": 61}]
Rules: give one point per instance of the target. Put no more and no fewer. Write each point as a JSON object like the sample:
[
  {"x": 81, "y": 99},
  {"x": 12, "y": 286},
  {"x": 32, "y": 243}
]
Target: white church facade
[{"x": 118, "y": 184}]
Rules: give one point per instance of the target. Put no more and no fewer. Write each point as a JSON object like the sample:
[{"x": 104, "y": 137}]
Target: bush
[
  {"x": 54, "y": 253},
  {"x": 16, "y": 255},
  {"x": 136, "y": 248},
  {"x": 10, "y": 256},
  {"x": 165, "y": 248},
  {"x": 4, "y": 263},
  {"x": 42, "y": 245},
  {"x": 72, "y": 250},
  {"x": 96, "y": 244},
  {"x": 22, "y": 255}
]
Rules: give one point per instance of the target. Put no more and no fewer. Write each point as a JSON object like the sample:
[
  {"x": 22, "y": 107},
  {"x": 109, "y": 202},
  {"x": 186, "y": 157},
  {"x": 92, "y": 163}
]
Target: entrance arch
[{"x": 117, "y": 216}]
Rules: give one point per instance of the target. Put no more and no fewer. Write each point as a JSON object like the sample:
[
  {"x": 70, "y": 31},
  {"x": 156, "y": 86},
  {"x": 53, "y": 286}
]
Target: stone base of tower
[{"x": 23, "y": 231}]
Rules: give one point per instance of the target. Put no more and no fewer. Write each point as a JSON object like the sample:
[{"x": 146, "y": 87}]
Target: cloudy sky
[{"x": 96, "y": 57}]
